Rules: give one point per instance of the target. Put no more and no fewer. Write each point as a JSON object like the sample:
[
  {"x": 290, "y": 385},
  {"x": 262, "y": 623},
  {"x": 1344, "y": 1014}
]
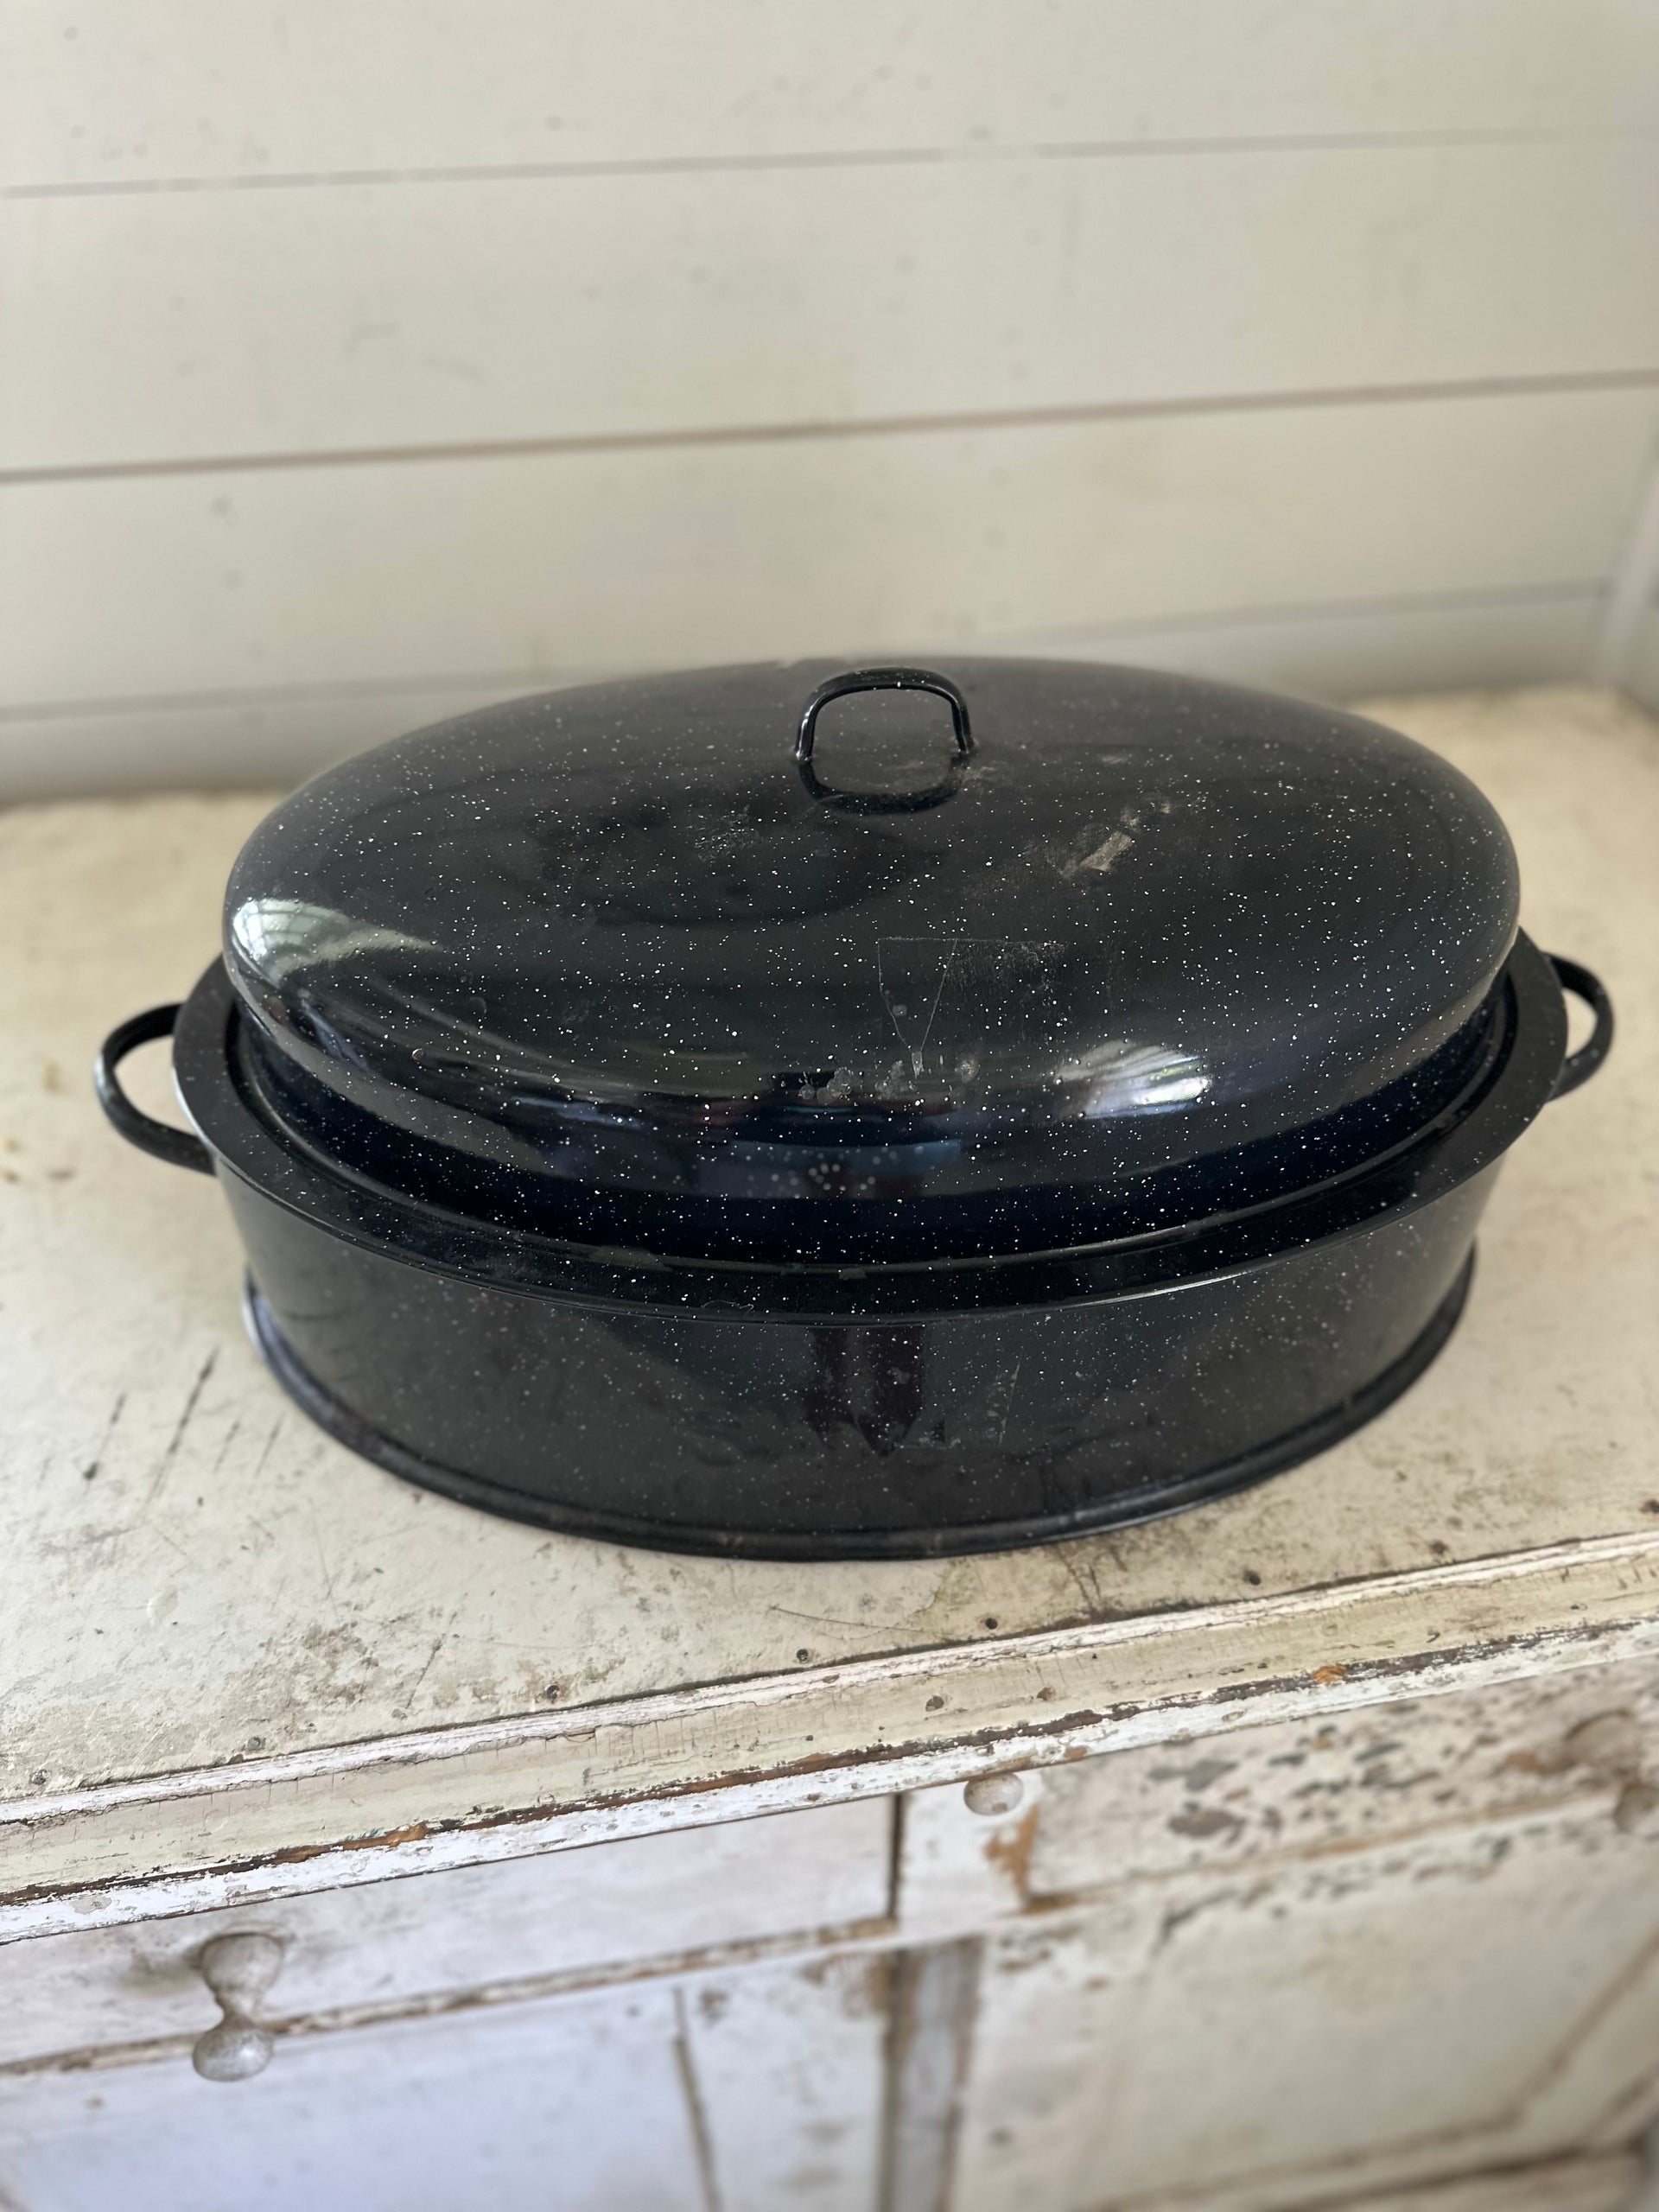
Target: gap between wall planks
[
  {"x": 214, "y": 740},
  {"x": 406, "y": 573},
  {"x": 388, "y": 322},
  {"x": 312, "y": 92}
]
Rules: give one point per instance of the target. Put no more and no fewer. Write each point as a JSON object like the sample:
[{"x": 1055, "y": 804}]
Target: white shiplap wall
[{"x": 363, "y": 360}]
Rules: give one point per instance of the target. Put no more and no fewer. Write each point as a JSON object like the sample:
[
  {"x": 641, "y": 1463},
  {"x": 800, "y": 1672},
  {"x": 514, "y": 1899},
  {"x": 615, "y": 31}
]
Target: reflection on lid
[
  {"x": 605, "y": 940},
  {"x": 282, "y": 937},
  {"x": 1125, "y": 1078}
]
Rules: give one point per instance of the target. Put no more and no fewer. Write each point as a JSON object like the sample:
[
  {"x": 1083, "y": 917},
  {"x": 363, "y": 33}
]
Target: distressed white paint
[
  {"x": 782, "y": 2067},
  {"x": 931, "y": 2010},
  {"x": 1538, "y": 1745},
  {"x": 440, "y": 1935},
  {"x": 425, "y": 1801},
  {"x": 1345, "y": 1780},
  {"x": 740, "y": 2094},
  {"x": 960, "y": 1870},
  {"x": 788, "y": 2070},
  {"x": 1274, "y": 2037},
  {"x": 574, "y": 2107}
]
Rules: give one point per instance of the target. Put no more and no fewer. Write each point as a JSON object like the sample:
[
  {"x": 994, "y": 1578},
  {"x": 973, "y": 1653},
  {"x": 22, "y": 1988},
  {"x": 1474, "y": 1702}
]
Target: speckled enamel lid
[{"x": 783, "y": 962}]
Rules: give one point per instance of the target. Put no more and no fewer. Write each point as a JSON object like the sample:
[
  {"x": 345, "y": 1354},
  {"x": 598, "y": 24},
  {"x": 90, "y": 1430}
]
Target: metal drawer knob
[
  {"x": 992, "y": 1794},
  {"x": 238, "y": 1969}
]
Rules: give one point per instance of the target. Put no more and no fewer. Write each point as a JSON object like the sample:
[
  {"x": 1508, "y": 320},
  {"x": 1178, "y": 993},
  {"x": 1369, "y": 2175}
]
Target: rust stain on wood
[{"x": 1009, "y": 1851}]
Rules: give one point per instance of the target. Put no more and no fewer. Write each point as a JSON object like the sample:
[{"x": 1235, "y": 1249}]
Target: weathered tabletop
[{"x": 233, "y": 1657}]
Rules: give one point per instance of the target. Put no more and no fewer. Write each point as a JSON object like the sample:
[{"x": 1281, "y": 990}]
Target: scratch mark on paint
[
  {"x": 177, "y": 1438},
  {"x": 1007, "y": 1401},
  {"x": 406, "y": 1703},
  {"x": 823, "y": 1620},
  {"x": 950, "y": 957},
  {"x": 322, "y": 1561},
  {"x": 265, "y": 1453},
  {"x": 696, "y": 2111},
  {"x": 1105, "y": 853},
  {"x": 97, "y": 1460}
]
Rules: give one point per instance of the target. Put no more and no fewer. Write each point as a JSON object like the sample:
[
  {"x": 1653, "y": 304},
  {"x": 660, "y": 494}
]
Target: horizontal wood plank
[
  {"x": 385, "y": 317},
  {"x": 205, "y": 91},
  {"x": 408, "y": 574},
  {"x": 1336, "y": 651}
]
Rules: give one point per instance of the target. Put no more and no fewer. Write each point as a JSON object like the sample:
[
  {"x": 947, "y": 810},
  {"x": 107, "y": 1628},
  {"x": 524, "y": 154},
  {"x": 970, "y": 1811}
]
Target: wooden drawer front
[
  {"x": 431, "y": 1933},
  {"x": 751, "y": 2091},
  {"x": 1317, "y": 2031},
  {"x": 1379, "y": 1771}
]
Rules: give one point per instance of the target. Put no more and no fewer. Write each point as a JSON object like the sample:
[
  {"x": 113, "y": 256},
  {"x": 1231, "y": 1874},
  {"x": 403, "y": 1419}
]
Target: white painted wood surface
[
  {"x": 1460, "y": 1950},
  {"x": 1530, "y": 1745},
  {"x": 478, "y": 289},
  {"x": 234, "y": 1657},
  {"x": 788, "y": 2076},
  {"x": 1552, "y": 2185},
  {"x": 1539, "y": 1745},
  {"x": 722, "y": 2094},
  {"x": 1290, "y": 2036},
  {"x": 1116, "y": 2025},
  {"x": 1534, "y": 634},
  {"x": 577, "y": 2107},
  {"x": 431, "y": 1938},
  {"x": 493, "y": 571},
  {"x": 1626, "y": 646}
]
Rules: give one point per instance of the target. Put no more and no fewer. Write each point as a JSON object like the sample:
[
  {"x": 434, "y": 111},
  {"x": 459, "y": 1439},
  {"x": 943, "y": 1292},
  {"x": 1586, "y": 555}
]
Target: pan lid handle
[{"x": 884, "y": 679}]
